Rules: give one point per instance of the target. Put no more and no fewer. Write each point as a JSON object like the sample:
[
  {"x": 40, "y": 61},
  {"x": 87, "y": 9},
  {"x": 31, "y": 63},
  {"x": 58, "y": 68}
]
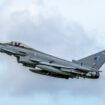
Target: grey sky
[{"x": 73, "y": 32}]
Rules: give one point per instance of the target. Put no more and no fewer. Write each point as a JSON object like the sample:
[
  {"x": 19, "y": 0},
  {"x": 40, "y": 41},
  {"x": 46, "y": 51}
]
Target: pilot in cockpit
[{"x": 15, "y": 44}]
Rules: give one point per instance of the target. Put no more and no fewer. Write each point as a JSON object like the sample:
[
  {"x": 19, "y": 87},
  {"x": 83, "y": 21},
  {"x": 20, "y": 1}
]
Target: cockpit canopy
[{"x": 18, "y": 44}]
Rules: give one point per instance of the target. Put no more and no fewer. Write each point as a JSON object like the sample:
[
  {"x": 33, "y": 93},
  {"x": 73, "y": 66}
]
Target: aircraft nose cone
[
  {"x": 2, "y": 44},
  {"x": 1, "y": 47}
]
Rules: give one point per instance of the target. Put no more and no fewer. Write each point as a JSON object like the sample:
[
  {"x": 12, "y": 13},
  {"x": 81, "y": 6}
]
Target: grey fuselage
[{"x": 45, "y": 64}]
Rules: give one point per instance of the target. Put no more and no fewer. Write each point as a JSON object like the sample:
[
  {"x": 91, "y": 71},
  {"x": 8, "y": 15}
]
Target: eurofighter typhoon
[{"x": 48, "y": 65}]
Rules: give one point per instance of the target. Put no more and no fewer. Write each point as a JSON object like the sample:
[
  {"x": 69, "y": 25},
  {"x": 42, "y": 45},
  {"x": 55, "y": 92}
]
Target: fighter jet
[{"x": 45, "y": 64}]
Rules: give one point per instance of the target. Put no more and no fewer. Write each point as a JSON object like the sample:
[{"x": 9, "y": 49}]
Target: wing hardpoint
[{"x": 94, "y": 61}]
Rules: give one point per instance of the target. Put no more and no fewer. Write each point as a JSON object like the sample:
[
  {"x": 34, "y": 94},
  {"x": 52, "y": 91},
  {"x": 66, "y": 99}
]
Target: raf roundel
[{"x": 97, "y": 58}]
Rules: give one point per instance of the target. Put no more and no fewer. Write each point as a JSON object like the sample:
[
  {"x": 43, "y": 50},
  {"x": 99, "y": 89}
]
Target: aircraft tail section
[{"x": 94, "y": 61}]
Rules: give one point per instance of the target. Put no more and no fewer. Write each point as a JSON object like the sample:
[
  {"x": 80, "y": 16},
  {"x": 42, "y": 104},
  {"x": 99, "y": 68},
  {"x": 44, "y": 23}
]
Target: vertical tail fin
[{"x": 94, "y": 61}]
